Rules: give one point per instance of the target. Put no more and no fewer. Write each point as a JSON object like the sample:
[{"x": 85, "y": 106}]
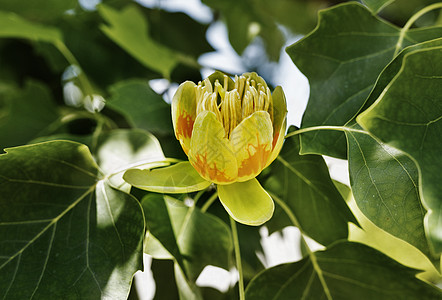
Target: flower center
[{"x": 231, "y": 107}]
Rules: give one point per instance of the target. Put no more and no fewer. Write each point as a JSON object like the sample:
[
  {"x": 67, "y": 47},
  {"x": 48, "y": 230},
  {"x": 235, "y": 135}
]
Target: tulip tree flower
[{"x": 230, "y": 130}]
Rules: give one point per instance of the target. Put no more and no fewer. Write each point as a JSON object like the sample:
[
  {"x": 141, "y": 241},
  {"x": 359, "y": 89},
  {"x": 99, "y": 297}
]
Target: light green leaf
[
  {"x": 38, "y": 10},
  {"x": 142, "y": 107},
  {"x": 246, "y": 202},
  {"x": 122, "y": 149},
  {"x": 303, "y": 183},
  {"x": 14, "y": 26},
  {"x": 385, "y": 186},
  {"x": 408, "y": 116},
  {"x": 197, "y": 238},
  {"x": 393, "y": 68},
  {"x": 342, "y": 76},
  {"x": 377, "y": 5},
  {"x": 129, "y": 29},
  {"x": 65, "y": 233},
  {"x": 26, "y": 114},
  {"x": 186, "y": 289},
  {"x": 177, "y": 179},
  {"x": 344, "y": 271}
]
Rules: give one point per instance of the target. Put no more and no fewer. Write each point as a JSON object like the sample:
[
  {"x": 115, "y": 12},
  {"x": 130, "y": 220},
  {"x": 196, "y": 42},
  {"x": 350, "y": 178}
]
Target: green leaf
[
  {"x": 14, "y": 26},
  {"x": 384, "y": 183},
  {"x": 200, "y": 238},
  {"x": 26, "y": 114},
  {"x": 393, "y": 68},
  {"x": 159, "y": 226},
  {"x": 408, "y": 116},
  {"x": 142, "y": 107},
  {"x": 245, "y": 20},
  {"x": 177, "y": 179},
  {"x": 38, "y": 10},
  {"x": 129, "y": 29},
  {"x": 348, "y": 271},
  {"x": 65, "y": 233},
  {"x": 377, "y": 5},
  {"x": 342, "y": 76},
  {"x": 303, "y": 183},
  {"x": 122, "y": 149}
]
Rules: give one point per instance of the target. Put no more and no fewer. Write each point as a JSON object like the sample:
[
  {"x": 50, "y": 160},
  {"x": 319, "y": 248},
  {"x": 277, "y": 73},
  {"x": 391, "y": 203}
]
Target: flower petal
[
  {"x": 210, "y": 152},
  {"x": 247, "y": 202},
  {"x": 252, "y": 144},
  {"x": 184, "y": 113},
  {"x": 278, "y": 141},
  {"x": 177, "y": 179},
  {"x": 279, "y": 113}
]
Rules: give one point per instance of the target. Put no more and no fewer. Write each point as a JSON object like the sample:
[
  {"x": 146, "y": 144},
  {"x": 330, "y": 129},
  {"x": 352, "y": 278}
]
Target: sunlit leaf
[
  {"x": 121, "y": 149},
  {"x": 26, "y": 114},
  {"x": 303, "y": 183},
  {"x": 142, "y": 107},
  {"x": 65, "y": 233},
  {"x": 342, "y": 59},
  {"x": 200, "y": 239},
  {"x": 408, "y": 116},
  {"x": 385, "y": 186},
  {"x": 344, "y": 271},
  {"x": 14, "y": 26},
  {"x": 129, "y": 29}
]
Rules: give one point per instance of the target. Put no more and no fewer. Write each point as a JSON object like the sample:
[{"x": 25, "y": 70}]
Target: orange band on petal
[
  {"x": 210, "y": 171},
  {"x": 258, "y": 157}
]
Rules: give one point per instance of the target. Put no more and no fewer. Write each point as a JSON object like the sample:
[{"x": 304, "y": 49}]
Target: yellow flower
[{"x": 230, "y": 130}]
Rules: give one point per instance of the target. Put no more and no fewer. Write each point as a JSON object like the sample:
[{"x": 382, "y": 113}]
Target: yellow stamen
[{"x": 231, "y": 107}]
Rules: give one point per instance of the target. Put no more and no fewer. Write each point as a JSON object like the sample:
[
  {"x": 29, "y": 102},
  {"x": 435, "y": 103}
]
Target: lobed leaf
[
  {"x": 342, "y": 59},
  {"x": 64, "y": 232},
  {"x": 303, "y": 183},
  {"x": 408, "y": 116},
  {"x": 384, "y": 183},
  {"x": 345, "y": 270}
]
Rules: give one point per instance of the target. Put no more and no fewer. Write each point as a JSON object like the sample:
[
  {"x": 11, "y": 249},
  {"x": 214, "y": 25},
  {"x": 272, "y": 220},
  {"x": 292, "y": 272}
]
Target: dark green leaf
[
  {"x": 65, "y": 233},
  {"x": 303, "y": 183},
  {"x": 377, "y": 5},
  {"x": 342, "y": 58},
  {"x": 349, "y": 271},
  {"x": 129, "y": 29},
  {"x": 142, "y": 107},
  {"x": 385, "y": 186},
  {"x": 408, "y": 116},
  {"x": 26, "y": 114},
  {"x": 202, "y": 239}
]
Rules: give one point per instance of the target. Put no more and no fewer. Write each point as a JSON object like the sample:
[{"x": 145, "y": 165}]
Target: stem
[
  {"x": 209, "y": 202},
  {"x": 87, "y": 87},
  {"x": 316, "y": 128},
  {"x": 238, "y": 259},
  {"x": 311, "y": 254},
  {"x": 410, "y": 22}
]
